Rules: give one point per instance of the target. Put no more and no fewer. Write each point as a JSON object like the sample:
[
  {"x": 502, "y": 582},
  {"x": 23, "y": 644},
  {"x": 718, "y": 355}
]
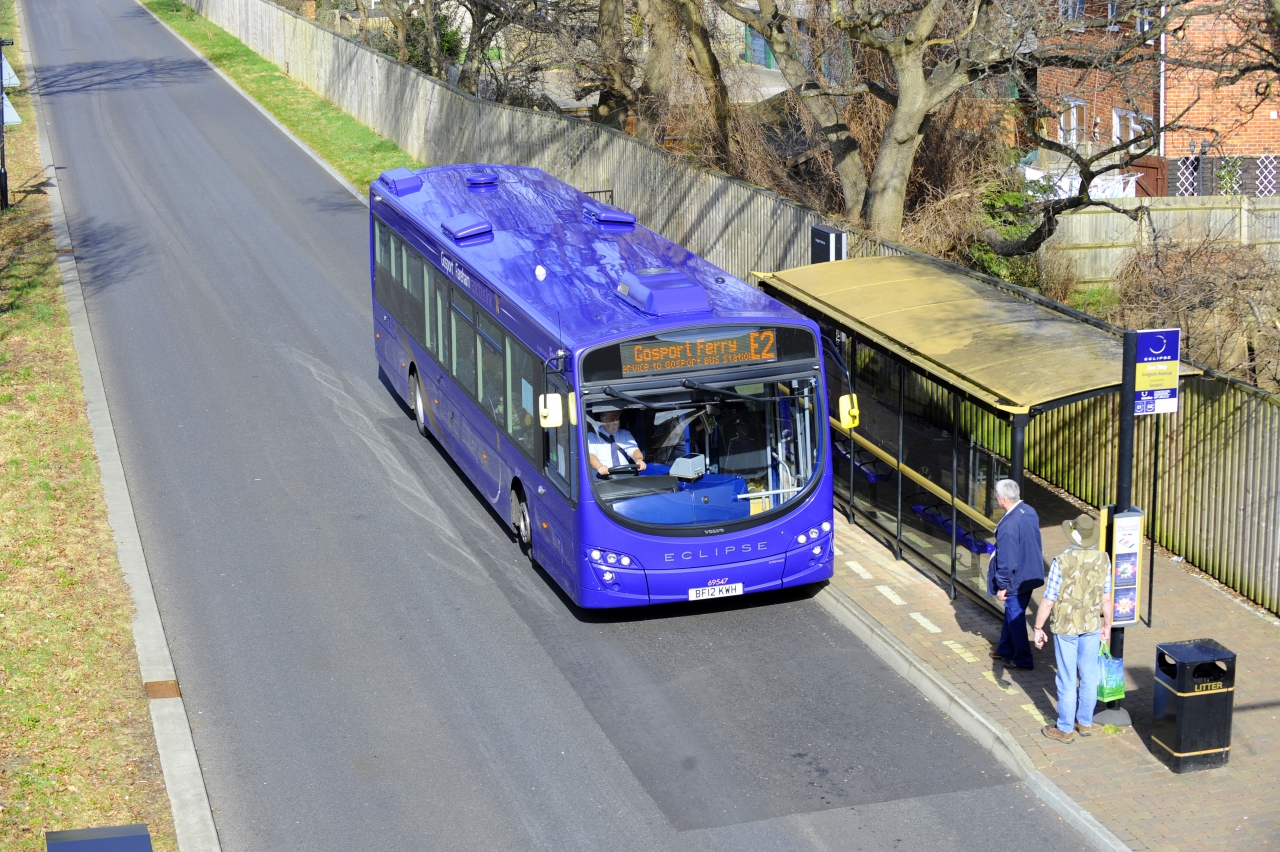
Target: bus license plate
[{"x": 706, "y": 592}]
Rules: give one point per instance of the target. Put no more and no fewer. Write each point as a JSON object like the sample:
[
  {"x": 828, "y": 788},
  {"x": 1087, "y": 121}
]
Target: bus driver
[{"x": 613, "y": 444}]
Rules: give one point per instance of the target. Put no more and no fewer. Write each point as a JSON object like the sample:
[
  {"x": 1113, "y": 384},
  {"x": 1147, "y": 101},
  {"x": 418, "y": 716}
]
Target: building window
[
  {"x": 1113, "y": 12},
  {"x": 1127, "y": 126},
  {"x": 1071, "y": 123},
  {"x": 1071, "y": 10}
]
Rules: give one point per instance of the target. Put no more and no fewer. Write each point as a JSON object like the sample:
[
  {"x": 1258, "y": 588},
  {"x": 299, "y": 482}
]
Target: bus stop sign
[{"x": 1156, "y": 382}]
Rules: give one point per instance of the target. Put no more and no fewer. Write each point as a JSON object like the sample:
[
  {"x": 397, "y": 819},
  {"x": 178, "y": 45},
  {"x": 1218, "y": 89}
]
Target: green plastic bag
[{"x": 1111, "y": 678}]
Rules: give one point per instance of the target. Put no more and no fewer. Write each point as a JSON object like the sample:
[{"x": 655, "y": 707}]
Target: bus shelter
[{"x": 949, "y": 369}]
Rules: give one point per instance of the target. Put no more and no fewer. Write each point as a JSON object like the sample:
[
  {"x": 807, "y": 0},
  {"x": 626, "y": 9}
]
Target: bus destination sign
[{"x": 650, "y": 356}]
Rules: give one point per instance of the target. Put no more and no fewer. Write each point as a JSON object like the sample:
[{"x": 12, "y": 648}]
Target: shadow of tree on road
[{"x": 115, "y": 76}]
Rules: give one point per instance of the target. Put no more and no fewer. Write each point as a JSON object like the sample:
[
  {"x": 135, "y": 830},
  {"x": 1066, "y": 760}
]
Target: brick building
[{"x": 1231, "y": 141}]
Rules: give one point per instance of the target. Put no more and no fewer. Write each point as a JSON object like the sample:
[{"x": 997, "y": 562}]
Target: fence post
[{"x": 1245, "y": 211}]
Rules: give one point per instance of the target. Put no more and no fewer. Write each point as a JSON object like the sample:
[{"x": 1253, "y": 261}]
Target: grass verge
[
  {"x": 358, "y": 153},
  {"x": 76, "y": 744}
]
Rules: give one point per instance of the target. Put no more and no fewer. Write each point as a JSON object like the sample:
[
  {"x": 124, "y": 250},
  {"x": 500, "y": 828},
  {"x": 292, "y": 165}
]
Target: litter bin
[{"x": 1195, "y": 685}]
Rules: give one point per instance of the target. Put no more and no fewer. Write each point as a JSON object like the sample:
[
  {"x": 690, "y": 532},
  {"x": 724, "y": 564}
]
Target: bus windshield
[{"x": 692, "y": 453}]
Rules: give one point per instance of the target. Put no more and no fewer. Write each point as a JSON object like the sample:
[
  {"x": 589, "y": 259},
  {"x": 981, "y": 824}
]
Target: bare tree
[
  {"x": 931, "y": 51},
  {"x": 781, "y": 30},
  {"x": 399, "y": 13},
  {"x": 1222, "y": 295},
  {"x": 362, "y": 8},
  {"x": 488, "y": 19},
  {"x": 702, "y": 57}
]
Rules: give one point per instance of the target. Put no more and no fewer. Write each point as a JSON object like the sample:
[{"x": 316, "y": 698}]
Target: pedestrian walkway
[{"x": 1113, "y": 774}]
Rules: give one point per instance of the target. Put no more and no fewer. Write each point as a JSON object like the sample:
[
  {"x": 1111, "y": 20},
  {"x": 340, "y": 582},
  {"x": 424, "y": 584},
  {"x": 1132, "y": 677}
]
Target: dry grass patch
[{"x": 76, "y": 746}]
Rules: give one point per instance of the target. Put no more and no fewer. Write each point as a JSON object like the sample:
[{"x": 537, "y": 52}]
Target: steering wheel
[{"x": 633, "y": 469}]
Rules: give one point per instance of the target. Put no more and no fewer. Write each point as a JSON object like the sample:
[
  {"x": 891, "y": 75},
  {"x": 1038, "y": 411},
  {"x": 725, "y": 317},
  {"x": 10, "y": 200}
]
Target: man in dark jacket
[{"x": 1016, "y": 568}]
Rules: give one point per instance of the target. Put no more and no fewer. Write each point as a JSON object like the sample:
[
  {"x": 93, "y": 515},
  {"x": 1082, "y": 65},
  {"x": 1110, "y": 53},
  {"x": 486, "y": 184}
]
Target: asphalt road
[{"x": 368, "y": 661}]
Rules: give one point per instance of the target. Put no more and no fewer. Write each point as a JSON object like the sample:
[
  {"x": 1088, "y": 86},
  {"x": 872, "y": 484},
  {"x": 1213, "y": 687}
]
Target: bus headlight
[
  {"x": 607, "y": 576},
  {"x": 611, "y": 558},
  {"x": 802, "y": 538},
  {"x": 813, "y": 533},
  {"x": 817, "y": 551},
  {"x": 826, "y": 526},
  {"x": 625, "y": 560},
  {"x": 595, "y": 555}
]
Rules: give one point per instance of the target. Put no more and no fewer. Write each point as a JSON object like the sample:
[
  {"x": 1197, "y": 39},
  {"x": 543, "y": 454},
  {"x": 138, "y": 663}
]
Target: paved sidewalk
[{"x": 1116, "y": 776}]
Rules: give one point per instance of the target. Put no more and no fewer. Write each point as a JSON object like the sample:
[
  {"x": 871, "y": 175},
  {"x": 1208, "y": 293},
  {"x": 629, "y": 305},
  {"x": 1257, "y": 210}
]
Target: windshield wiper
[
  {"x": 652, "y": 406},
  {"x": 692, "y": 385}
]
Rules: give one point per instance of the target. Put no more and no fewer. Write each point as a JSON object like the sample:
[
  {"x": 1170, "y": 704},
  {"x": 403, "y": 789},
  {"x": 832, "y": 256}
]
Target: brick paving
[{"x": 1116, "y": 777}]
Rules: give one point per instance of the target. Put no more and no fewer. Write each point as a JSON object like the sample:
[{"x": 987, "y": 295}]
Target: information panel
[
  {"x": 1126, "y": 579},
  {"x": 653, "y": 356},
  {"x": 1156, "y": 380}
]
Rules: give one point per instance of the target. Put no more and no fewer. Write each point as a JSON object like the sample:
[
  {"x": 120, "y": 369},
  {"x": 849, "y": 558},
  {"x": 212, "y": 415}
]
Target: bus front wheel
[
  {"x": 419, "y": 404},
  {"x": 520, "y": 524}
]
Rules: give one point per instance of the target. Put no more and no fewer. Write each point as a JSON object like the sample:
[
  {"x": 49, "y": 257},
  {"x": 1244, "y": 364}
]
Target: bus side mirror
[
  {"x": 550, "y": 410},
  {"x": 849, "y": 414}
]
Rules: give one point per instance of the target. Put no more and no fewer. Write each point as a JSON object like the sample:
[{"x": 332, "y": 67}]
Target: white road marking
[
  {"x": 926, "y": 623},
  {"x": 891, "y": 595},
  {"x": 961, "y": 650},
  {"x": 858, "y": 569}
]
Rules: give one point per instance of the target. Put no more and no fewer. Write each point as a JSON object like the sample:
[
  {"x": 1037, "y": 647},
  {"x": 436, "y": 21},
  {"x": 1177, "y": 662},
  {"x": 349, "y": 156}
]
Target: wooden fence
[
  {"x": 1096, "y": 239},
  {"x": 1220, "y": 492}
]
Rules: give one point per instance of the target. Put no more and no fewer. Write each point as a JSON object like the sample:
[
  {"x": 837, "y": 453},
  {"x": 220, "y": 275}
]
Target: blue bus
[{"x": 654, "y": 428}]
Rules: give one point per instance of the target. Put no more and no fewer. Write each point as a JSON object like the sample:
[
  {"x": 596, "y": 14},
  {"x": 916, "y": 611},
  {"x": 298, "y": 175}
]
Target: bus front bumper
[{"x": 638, "y": 587}]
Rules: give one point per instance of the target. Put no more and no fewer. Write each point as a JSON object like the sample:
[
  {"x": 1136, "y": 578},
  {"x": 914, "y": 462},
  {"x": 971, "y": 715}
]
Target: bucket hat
[{"x": 1082, "y": 531}]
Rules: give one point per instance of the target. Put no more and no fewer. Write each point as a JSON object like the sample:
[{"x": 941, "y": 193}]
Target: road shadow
[
  {"x": 339, "y": 201},
  {"x": 107, "y": 253},
  {"x": 115, "y": 76}
]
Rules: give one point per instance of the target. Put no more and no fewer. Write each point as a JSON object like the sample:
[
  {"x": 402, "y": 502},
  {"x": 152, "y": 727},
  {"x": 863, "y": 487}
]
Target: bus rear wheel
[
  {"x": 419, "y": 404},
  {"x": 520, "y": 523}
]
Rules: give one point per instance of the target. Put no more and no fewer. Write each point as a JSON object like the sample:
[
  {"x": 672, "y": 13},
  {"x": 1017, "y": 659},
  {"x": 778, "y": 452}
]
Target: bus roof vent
[
  {"x": 467, "y": 226},
  {"x": 482, "y": 179},
  {"x": 401, "y": 181},
  {"x": 607, "y": 213},
  {"x": 660, "y": 292}
]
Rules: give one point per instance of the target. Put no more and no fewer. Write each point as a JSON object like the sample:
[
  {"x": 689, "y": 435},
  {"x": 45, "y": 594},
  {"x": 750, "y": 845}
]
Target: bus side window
[
  {"x": 381, "y": 243},
  {"x": 414, "y": 319},
  {"x": 385, "y": 289},
  {"x": 524, "y": 376},
  {"x": 396, "y": 271},
  {"x": 442, "y": 322},
  {"x": 430, "y": 279},
  {"x": 562, "y": 448},
  {"x": 462, "y": 341},
  {"x": 493, "y": 391}
]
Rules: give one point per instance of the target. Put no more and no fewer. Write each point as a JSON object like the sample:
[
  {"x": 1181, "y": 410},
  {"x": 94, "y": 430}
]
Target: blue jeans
[
  {"x": 1077, "y": 653},
  {"x": 1014, "y": 645}
]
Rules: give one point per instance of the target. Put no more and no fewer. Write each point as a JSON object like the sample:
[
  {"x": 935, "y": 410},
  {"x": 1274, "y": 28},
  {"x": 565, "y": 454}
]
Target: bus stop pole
[
  {"x": 1151, "y": 517},
  {"x": 1124, "y": 462},
  {"x": 4, "y": 171},
  {"x": 1114, "y": 714}
]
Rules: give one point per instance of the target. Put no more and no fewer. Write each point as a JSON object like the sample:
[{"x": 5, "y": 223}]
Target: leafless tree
[
  {"x": 1222, "y": 295},
  {"x": 931, "y": 51}
]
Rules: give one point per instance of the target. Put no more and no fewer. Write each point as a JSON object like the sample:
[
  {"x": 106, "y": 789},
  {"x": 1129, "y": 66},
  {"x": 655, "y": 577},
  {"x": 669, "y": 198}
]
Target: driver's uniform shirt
[{"x": 612, "y": 453}]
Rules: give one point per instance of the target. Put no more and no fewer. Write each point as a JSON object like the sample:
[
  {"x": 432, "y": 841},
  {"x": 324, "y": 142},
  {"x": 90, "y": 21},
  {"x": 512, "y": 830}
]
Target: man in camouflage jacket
[{"x": 1078, "y": 594}]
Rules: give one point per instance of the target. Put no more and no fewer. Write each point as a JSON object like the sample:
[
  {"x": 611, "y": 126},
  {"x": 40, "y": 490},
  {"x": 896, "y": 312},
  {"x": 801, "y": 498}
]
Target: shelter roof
[{"x": 1004, "y": 349}]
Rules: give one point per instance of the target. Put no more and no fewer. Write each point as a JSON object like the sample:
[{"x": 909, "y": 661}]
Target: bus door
[{"x": 553, "y": 515}]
